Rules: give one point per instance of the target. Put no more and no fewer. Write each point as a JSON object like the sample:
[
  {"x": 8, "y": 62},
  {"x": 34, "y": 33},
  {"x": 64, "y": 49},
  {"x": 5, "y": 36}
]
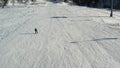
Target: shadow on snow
[{"x": 100, "y": 39}]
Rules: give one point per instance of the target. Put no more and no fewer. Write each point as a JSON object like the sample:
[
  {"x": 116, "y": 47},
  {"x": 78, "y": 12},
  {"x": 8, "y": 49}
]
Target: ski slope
[{"x": 68, "y": 36}]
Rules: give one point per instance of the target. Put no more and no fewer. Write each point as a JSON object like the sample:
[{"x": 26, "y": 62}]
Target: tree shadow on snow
[
  {"x": 59, "y": 17},
  {"x": 77, "y": 16},
  {"x": 100, "y": 39},
  {"x": 93, "y": 16}
]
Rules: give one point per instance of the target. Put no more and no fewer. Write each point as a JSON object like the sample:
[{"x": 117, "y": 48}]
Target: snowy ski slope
[{"x": 68, "y": 37}]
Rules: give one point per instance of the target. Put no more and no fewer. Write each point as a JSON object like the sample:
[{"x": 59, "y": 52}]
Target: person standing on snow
[{"x": 36, "y": 31}]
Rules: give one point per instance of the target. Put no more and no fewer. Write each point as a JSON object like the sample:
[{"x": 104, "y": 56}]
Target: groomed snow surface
[{"x": 68, "y": 36}]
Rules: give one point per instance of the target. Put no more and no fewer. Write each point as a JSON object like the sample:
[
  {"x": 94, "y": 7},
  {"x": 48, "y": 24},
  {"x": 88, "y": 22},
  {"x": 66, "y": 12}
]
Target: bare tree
[
  {"x": 4, "y": 3},
  {"x": 13, "y": 2}
]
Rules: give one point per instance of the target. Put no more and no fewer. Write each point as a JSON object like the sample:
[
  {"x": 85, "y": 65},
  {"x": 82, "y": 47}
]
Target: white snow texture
[{"x": 69, "y": 36}]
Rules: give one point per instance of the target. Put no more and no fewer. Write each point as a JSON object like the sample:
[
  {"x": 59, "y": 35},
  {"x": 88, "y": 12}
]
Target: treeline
[
  {"x": 4, "y": 3},
  {"x": 86, "y": 2},
  {"x": 98, "y": 3}
]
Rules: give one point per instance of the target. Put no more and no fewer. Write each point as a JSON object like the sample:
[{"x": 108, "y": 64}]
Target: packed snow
[{"x": 69, "y": 36}]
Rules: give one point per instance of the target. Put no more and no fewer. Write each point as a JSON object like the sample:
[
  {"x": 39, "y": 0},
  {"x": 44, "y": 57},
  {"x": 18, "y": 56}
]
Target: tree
[{"x": 4, "y": 3}]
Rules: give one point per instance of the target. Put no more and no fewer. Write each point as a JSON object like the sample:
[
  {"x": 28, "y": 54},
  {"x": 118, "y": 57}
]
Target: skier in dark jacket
[{"x": 36, "y": 31}]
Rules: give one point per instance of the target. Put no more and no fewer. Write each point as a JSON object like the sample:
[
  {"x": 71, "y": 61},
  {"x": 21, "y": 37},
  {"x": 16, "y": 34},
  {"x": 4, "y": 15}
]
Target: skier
[{"x": 36, "y": 31}]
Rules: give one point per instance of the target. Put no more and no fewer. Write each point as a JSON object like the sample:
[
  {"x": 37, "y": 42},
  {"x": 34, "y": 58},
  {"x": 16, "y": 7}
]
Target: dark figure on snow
[{"x": 36, "y": 31}]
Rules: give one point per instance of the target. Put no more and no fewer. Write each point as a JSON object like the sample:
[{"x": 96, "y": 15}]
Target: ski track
[{"x": 68, "y": 37}]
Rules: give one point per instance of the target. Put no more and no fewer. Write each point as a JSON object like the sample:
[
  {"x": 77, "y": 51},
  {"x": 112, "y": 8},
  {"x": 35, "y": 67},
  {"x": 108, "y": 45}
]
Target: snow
[{"x": 69, "y": 36}]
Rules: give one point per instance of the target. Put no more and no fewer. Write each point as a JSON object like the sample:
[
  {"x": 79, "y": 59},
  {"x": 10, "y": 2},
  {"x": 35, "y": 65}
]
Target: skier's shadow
[{"x": 27, "y": 33}]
